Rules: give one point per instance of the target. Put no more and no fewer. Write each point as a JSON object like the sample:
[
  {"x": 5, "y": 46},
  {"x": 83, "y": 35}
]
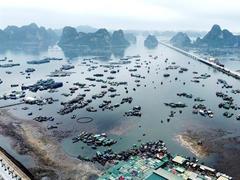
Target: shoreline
[
  {"x": 30, "y": 138},
  {"x": 52, "y": 162},
  {"x": 190, "y": 144},
  {"x": 224, "y": 145}
]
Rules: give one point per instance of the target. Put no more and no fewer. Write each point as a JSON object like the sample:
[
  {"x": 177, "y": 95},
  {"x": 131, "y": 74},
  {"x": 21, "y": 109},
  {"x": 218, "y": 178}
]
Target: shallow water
[
  {"x": 126, "y": 130},
  {"x": 24, "y": 159}
]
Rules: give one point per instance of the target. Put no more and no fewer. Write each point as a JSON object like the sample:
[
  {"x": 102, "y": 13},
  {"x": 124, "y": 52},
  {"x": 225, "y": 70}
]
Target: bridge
[{"x": 209, "y": 63}]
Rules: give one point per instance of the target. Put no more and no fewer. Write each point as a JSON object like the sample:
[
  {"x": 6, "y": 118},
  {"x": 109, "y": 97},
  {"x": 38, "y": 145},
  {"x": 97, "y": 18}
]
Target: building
[
  {"x": 162, "y": 174},
  {"x": 166, "y": 168},
  {"x": 179, "y": 160}
]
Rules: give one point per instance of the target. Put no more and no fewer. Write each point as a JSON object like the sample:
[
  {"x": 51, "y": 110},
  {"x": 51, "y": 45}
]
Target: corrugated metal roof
[{"x": 167, "y": 175}]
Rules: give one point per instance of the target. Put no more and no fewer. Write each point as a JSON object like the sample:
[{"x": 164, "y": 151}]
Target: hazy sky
[{"x": 125, "y": 14}]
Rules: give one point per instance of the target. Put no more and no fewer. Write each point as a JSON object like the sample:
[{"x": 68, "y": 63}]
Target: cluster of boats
[
  {"x": 43, "y": 85},
  {"x": 66, "y": 67},
  {"x": 196, "y": 79},
  {"x": 30, "y": 70},
  {"x": 137, "y": 76},
  {"x": 202, "y": 76},
  {"x": 228, "y": 103},
  {"x": 60, "y": 73},
  {"x": 76, "y": 103},
  {"x": 135, "y": 111},
  {"x": 185, "y": 95},
  {"x": 127, "y": 100},
  {"x": 202, "y": 110},
  {"x": 43, "y": 118},
  {"x": 39, "y": 101},
  {"x": 13, "y": 95},
  {"x": 106, "y": 104},
  {"x": 91, "y": 109},
  {"x": 224, "y": 83},
  {"x": 94, "y": 140},
  {"x": 99, "y": 95},
  {"x": 149, "y": 150}
]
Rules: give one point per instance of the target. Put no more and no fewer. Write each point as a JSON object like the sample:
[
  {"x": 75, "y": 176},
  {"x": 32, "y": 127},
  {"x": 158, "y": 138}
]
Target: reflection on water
[
  {"x": 152, "y": 93},
  {"x": 85, "y": 51},
  {"x": 34, "y": 49}
]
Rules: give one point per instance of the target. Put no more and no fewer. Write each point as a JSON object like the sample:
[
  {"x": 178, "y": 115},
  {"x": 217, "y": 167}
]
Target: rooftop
[
  {"x": 164, "y": 174},
  {"x": 179, "y": 159}
]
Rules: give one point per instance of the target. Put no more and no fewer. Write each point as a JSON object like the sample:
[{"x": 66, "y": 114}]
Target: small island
[
  {"x": 71, "y": 38},
  {"x": 14, "y": 37},
  {"x": 151, "y": 42},
  {"x": 180, "y": 39},
  {"x": 218, "y": 38},
  {"x": 101, "y": 41}
]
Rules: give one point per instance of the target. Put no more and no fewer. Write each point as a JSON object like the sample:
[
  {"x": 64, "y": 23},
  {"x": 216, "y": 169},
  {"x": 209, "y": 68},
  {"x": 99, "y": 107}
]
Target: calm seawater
[{"x": 151, "y": 98}]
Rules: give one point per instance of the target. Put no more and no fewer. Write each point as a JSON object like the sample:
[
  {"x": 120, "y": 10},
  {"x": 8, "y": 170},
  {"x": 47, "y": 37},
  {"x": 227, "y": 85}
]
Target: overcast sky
[{"x": 124, "y": 14}]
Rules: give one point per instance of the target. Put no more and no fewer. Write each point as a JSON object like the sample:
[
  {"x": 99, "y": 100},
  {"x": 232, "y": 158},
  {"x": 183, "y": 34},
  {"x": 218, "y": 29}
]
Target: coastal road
[{"x": 207, "y": 62}]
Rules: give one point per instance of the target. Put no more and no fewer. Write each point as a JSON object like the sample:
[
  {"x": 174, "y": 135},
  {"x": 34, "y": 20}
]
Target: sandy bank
[
  {"x": 224, "y": 145},
  {"x": 192, "y": 145}
]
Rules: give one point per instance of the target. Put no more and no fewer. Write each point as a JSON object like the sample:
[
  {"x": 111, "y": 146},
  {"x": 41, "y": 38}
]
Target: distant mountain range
[
  {"x": 32, "y": 35},
  {"x": 215, "y": 38},
  {"x": 81, "y": 28},
  {"x": 100, "y": 43},
  {"x": 89, "y": 38}
]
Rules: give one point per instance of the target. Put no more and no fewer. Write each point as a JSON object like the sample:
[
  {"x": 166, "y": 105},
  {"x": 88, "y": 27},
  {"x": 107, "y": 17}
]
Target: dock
[
  {"x": 11, "y": 169},
  {"x": 9, "y": 105},
  {"x": 227, "y": 71}
]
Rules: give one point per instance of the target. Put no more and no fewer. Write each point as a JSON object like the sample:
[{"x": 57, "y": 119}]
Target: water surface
[{"x": 126, "y": 130}]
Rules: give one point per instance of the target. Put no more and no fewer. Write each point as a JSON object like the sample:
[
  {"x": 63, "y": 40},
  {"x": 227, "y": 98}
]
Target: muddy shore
[
  {"x": 224, "y": 145},
  {"x": 51, "y": 162}
]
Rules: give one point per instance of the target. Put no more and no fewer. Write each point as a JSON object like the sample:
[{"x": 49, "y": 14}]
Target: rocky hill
[
  {"x": 97, "y": 40},
  {"x": 118, "y": 39},
  {"x": 26, "y": 35},
  {"x": 151, "y": 41},
  {"x": 218, "y": 38},
  {"x": 180, "y": 39}
]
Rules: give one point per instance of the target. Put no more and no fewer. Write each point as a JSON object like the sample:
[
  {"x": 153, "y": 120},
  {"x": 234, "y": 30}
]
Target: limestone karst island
[{"x": 119, "y": 90}]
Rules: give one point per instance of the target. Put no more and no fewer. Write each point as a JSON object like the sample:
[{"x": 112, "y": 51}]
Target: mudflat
[
  {"x": 224, "y": 145},
  {"x": 30, "y": 138}
]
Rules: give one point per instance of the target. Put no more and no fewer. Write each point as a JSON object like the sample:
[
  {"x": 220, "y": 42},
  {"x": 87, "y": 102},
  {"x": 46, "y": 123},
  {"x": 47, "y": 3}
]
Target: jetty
[
  {"x": 10, "y": 105},
  {"x": 227, "y": 71},
  {"x": 12, "y": 169}
]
